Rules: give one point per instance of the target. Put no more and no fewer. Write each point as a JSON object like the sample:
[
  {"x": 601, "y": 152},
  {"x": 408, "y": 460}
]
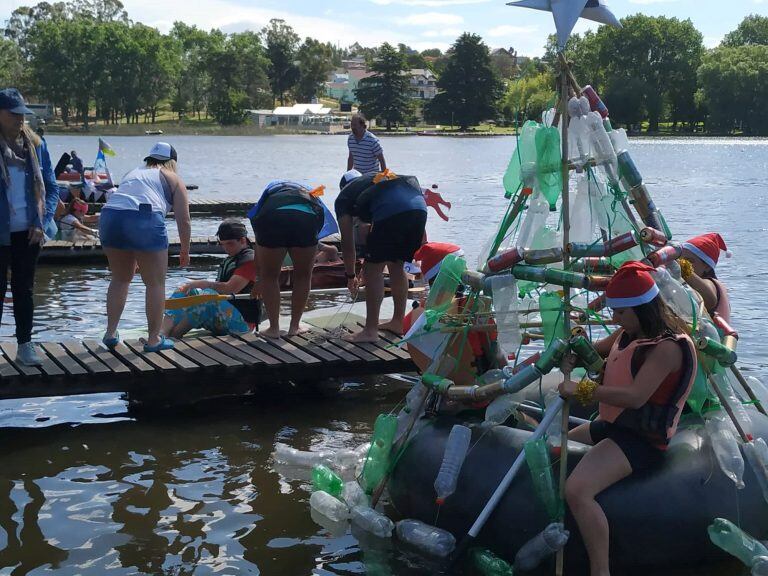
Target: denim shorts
[{"x": 139, "y": 230}]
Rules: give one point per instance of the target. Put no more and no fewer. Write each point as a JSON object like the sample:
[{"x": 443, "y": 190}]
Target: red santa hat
[
  {"x": 631, "y": 285},
  {"x": 431, "y": 256},
  {"x": 707, "y": 247}
]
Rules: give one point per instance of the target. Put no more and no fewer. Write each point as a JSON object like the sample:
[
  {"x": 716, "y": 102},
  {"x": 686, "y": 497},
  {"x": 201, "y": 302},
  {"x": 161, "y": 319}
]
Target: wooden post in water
[{"x": 559, "y": 560}]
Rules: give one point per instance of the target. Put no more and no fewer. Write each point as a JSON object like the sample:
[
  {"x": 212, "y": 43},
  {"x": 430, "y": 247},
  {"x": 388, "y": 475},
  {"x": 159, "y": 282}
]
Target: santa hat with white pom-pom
[{"x": 708, "y": 247}]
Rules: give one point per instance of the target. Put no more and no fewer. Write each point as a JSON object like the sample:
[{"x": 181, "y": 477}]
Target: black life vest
[{"x": 250, "y": 309}]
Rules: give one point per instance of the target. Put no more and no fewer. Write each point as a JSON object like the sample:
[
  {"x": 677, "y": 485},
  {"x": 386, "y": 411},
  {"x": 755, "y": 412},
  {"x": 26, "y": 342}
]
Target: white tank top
[{"x": 142, "y": 186}]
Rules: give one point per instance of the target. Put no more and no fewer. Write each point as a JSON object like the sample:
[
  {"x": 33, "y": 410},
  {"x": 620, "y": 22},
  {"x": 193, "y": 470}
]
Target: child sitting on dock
[
  {"x": 236, "y": 275},
  {"x": 71, "y": 226}
]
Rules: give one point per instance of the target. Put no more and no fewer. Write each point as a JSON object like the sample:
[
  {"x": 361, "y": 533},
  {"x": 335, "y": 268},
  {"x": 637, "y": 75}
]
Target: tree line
[{"x": 87, "y": 55}]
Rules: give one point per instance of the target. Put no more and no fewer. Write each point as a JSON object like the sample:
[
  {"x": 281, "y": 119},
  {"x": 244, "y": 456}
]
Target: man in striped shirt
[{"x": 365, "y": 152}]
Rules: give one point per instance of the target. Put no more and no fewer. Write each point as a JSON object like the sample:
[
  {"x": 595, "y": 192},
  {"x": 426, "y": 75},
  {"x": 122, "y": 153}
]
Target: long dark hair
[{"x": 656, "y": 318}]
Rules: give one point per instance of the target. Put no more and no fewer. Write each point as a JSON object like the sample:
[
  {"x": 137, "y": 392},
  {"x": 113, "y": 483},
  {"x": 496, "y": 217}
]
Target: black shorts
[
  {"x": 396, "y": 239},
  {"x": 640, "y": 453},
  {"x": 286, "y": 229}
]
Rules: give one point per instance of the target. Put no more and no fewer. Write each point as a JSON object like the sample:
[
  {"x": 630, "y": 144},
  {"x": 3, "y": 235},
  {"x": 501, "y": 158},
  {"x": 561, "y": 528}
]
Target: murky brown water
[{"x": 86, "y": 488}]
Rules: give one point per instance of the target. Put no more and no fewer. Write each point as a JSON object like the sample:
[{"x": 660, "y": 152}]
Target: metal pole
[{"x": 559, "y": 560}]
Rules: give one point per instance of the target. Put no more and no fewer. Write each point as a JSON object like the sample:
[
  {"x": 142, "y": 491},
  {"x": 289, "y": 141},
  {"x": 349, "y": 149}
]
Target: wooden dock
[
  {"x": 209, "y": 206},
  {"x": 205, "y": 366}
]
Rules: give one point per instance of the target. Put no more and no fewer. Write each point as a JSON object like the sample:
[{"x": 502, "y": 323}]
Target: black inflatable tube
[{"x": 657, "y": 520}]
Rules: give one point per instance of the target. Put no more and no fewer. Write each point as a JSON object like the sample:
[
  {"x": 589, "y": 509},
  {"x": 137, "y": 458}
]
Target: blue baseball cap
[{"x": 12, "y": 100}]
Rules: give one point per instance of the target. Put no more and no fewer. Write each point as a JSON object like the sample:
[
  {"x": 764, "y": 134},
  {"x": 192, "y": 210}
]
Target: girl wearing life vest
[
  {"x": 700, "y": 256},
  {"x": 288, "y": 219},
  {"x": 650, "y": 369}
]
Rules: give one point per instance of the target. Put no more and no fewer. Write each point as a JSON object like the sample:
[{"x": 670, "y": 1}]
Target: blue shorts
[
  {"x": 140, "y": 230},
  {"x": 218, "y": 318}
]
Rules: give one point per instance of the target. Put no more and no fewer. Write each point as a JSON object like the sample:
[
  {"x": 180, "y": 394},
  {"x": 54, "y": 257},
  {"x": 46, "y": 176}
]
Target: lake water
[{"x": 86, "y": 488}]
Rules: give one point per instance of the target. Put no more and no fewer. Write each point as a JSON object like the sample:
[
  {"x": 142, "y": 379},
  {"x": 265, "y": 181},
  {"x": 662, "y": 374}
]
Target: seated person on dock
[
  {"x": 236, "y": 275},
  {"x": 650, "y": 369},
  {"x": 71, "y": 226},
  {"x": 395, "y": 207},
  {"x": 326, "y": 254}
]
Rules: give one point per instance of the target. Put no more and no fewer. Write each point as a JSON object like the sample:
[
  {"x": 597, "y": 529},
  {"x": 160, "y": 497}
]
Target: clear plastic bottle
[
  {"x": 602, "y": 149},
  {"x": 554, "y": 431},
  {"x": 735, "y": 541},
  {"x": 371, "y": 521},
  {"x": 328, "y": 506},
  {"x": 429, "y": 539},
  {"x": 673, "y": 294},
  {"x": 739, "y": 412},
  {"x": 535, "y": 218},
  {"x": 759, "y": 566},
  {"x": 544, "y": 544},
  {"x": 582, "y": 225},
  {"x": 578, "y": 140},
  {"x": 726, "y": 448},
  {"x": 353, "y": 495},
  {"x": 453, "y": 459},
  {"x": 503, "y": 407},
  {"x": 488, "y": 564},
  {"x": 757, "y": 456},
  {"x": 504, "y": 288},
  {"x": 325, "y": 479},
  {"x": 293, "y": 457},
  {"x": 413, "y": 400}
]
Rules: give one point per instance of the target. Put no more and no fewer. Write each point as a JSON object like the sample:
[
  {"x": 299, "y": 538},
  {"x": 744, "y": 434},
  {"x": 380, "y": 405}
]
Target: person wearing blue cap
[
  {"x": 132, "y": 231},
  {"x": 29, "y": 196}
]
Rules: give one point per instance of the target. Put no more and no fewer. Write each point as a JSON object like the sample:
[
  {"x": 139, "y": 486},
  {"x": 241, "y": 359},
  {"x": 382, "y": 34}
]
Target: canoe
[
  {"x": 327, "y": 275},
  {"x": 657, "y": 520}
]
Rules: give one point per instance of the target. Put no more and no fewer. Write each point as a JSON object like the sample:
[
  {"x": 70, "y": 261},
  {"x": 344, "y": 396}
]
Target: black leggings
[{"x": 22, "y": 258}]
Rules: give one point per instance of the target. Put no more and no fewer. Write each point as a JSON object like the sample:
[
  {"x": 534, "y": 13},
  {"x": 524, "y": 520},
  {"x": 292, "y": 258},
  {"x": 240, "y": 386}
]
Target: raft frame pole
[
  {"x": 565, "y": 75},
  {"x": 748, "y": 389},
  {"x": 503, "y": 486}
]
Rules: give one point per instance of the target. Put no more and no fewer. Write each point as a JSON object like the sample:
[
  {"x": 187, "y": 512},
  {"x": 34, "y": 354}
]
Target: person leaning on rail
[
  {"x": 29, "y": 199},
  {"x": 649, "y": 373},
  {"x": 697, "y": 266}
]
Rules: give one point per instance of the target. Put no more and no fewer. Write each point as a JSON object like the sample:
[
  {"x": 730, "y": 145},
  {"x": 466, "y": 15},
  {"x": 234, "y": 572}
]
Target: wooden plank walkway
[
  {"x": 208, "y": 205},
  {"x": 207, "y": 365}
]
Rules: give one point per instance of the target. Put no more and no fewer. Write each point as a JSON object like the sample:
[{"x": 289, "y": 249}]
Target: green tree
[
  {"x": 99, "y": 10},
  {"x": 469, "y": 88},
  {"x": 314, "y": 63},
  {"x": 24, "y": 18},
  {"x": 191, "y": 88},
  {"x": 734, "y": 82},
  {"x": 282, "y": 44},
  {"x": 386, "y": 94},
  {"x": 527, "y": 97},
  {"x": 11, "y": 65},
  {"x": 752, "y": 30}
]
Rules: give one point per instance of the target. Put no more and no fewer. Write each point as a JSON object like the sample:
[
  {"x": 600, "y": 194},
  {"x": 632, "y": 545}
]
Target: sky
[{"x": 420, "y": 24}]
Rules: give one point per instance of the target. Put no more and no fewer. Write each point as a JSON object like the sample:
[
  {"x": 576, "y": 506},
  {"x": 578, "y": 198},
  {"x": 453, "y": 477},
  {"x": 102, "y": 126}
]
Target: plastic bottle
[
  {"x": 602, "y": 149},
  {"x": 488, "y": 564},
  {"x": 725, "y": 447},
  {"x": 540, "y": 467},
  {"x": 555, "y": 429},
  {"x": 552, "y": 316},
  {"x": 429, "y": 539},
  {"x": 544, "y": 544},
  {"x": 453, "y": 459},
  {"x": 287, "y": 455},
  {"x": 578, "y": 141},
  {"x": 325, "y": 479},
  {"x": 353, "y": 495},
  {"x": 759, "y": 389},
  {"x": 740, "y": 413},
  {"x": 759, "y": 566},
  {"x": 757, "y": 456},
  {"x": 328, "y": 506},
  {"x": 502, "y": 407},
  {"x": 674, "y": 294},
  {"x": 504, "y": 288},
  {"x": 619, "y": 140},
  {"x": 582, "y": 225},
  {"x": 371, "y": 521},
  {"x": 413, "y": 400},
  {"x": 377, "y": 461},
  {"x": 735, "y": 541},
  {"x": 535, "y": 218}
]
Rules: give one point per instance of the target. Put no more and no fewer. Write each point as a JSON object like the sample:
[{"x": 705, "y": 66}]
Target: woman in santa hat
[
  {"x": 700, "y": 256},
  {"x": 649, "y": 371}
]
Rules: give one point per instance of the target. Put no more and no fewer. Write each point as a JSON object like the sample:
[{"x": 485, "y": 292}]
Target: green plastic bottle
[
  {"x": 552, "y": 317},
  {"x": 488, "y": 564},
  {"x": 733, "y": 540},
  {"x": 325, "y": 479},
  {"x": 447, "y": 281},
  {"x": 548, "y": 164},
  {"x": 537, "y": 457},
  {"x": 377, "y": 461}
]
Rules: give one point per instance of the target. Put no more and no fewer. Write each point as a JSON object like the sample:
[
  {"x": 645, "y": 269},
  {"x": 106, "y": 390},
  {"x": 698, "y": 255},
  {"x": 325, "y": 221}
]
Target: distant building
[
  {"x": 343, "y": 83},
  {"x": 307, "y": 116},
  {"x": 423, "y": 83}
]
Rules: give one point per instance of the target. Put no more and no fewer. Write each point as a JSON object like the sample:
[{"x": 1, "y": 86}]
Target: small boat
[
  {"x": 324, "y": 276},
  {"x": 153, "y": 132}
]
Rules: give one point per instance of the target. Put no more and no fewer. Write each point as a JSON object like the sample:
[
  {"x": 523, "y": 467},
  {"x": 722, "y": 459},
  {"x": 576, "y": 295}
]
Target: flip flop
[
  {"x": 164, "y": 344},
  {"x": 111, "y": 342}
]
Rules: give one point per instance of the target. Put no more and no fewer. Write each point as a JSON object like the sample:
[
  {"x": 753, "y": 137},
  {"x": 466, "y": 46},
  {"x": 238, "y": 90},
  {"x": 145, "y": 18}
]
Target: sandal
[
  {"x": 164, "y": 344},
  {"x": 111, "y": 343}
]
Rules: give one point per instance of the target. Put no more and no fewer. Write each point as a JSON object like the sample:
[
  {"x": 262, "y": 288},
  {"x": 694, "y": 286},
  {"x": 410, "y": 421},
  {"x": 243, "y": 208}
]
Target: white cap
[
  {"x": 350, "y": 175},
  {"x": 163, "y": 152}
]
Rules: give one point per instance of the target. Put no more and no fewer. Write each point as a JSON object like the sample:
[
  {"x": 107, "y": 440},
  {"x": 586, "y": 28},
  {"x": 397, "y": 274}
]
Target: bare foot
[
  {"x": 362, "y": 336},
  {"x": 272, "y": 333},
  {"x": 392, "y": 326},
  {"x": 301, "y": 329}
]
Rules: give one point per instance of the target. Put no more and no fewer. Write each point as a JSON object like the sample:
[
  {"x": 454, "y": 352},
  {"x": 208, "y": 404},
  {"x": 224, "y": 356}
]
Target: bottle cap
[{"x": 439, "y": 501}]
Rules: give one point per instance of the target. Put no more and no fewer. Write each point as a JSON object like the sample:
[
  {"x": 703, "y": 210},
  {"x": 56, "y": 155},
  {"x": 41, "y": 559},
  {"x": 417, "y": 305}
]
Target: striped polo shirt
[{"x": 364, "y": 153}]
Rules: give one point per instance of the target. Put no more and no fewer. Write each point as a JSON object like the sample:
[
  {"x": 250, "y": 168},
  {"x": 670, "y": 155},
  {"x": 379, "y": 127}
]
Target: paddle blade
[{"x": 187, "y": 301}]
